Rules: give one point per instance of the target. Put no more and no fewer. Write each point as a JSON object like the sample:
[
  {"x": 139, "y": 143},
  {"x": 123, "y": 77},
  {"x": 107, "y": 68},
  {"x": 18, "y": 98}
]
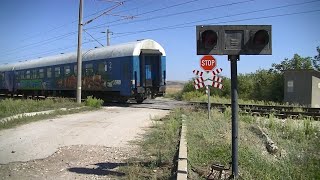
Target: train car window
[
  {"x": 34, "y": 74},
  {"x": 67, "y": 70},
  {"x": 101, "y": 68},
  {"x": 16, "y": 73},
  {"x": 89, "y": 69},
  {"x": 27, "y": 74},
  {"x": 41, "y": 73},
  {"x": 75, "y": 70},
  {"x": 108, "y": 67},
  {"x": 49, "y": 73},
  {"x": 57, "y": 72},
  {"x": 21, "y": 74}
]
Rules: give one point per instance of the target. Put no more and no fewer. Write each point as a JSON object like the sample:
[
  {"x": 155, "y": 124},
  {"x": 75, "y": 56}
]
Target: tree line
[{"x": 264, "y": 84}]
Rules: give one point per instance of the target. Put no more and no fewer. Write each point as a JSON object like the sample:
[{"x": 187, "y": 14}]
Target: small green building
[{"x": 302, "y": 87}]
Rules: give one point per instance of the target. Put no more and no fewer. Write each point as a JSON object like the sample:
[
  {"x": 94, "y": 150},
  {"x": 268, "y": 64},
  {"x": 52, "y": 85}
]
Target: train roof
[{"x": 120, "y": 50}]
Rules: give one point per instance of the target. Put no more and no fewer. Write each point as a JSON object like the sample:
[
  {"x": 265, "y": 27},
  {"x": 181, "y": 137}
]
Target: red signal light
[
  {"x": 261, "y": 38},
  {"x": 209, "y": 39}
]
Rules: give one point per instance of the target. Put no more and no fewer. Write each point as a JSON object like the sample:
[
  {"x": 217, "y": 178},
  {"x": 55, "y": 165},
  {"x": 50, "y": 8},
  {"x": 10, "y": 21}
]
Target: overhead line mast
[{"x": 79, "y": 53}]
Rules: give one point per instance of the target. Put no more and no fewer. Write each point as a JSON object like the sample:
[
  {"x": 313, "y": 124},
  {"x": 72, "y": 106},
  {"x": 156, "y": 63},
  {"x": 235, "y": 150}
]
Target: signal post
[{"x": 234, "y": 40}]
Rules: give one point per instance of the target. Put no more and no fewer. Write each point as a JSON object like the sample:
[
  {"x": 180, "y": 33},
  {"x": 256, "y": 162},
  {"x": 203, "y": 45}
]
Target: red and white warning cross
[
  {"x": 208, "y": 78},
  {"x": 208, "y": 83}
]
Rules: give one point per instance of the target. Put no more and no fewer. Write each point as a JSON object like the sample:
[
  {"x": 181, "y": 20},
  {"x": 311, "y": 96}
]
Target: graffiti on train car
[
  {"x": 94, "y": 82},
  {"x": 31, "y": 84}
]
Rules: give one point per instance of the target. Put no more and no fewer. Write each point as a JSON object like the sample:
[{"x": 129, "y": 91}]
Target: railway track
[{"x": 281, "y": 112}]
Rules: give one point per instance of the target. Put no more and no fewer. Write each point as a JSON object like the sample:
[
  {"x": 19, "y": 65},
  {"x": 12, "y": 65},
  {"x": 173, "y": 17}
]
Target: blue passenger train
[{"x": 130, "y": 70}]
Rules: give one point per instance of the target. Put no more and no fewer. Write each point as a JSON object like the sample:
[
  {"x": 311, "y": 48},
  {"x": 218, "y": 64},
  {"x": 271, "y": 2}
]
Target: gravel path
[{"x": 84, "y": 145}]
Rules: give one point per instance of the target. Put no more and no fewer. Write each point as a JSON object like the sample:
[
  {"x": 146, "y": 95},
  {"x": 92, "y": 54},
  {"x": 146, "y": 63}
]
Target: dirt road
[{"x": 83, "y": 145}]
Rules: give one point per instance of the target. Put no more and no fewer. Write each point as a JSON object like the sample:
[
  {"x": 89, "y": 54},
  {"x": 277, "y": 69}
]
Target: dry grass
[{"x": 173, "y": 89}]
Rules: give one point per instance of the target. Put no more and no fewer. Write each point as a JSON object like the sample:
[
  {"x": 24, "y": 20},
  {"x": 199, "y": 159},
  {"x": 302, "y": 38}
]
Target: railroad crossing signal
[
  {"x": 234, "y": 40},
  {"x": 208, "y": 74},
  {"x": 208, "y": 63},
  {"x": 208, "y": 78}
]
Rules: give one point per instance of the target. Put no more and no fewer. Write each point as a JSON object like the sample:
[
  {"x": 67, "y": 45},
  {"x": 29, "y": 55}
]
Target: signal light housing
[
  {"x": 234, "y": 40},
  {"x": 209, "y": 39}
]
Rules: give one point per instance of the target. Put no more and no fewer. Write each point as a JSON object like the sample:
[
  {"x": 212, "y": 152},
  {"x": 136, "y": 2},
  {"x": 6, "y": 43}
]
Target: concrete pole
[
  {"x": 108, "y": 37},
  {"x": 79, "y": 53}
]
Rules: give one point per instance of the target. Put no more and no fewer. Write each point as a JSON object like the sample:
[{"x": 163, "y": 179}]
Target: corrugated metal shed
[
  {"x": 121, "y": 50},
  {"x": 302, "y": 87}
]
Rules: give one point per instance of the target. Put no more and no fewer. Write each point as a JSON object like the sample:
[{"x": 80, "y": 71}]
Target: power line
[
  {"x": 92, "y": 37},
  {"x": 61, "y": 26},
  {"x": 104, "y": 13},
  {"x": 60, "y": 36},
  {"x": 46, "y": 41},
  {"x": 198, "y": 21},
  {"x": 148, "y": 12},
  {"x": 187, "y": 26},
  {"x": 175, "y": 27},
  {"x": 179, "y": 13},
  {"x": 40, "y": 43},
  {"x": 56, "y": 50},
  {"x": 183, "y": 25}
]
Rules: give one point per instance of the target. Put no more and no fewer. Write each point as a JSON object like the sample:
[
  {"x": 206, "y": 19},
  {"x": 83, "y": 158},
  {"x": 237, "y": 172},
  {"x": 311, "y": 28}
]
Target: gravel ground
[
  {"x": 73, "y": 162},
  {"x": 88, "y": 145}
]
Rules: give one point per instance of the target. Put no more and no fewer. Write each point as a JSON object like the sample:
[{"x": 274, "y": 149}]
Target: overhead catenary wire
[
  {"x": 56, "y": 50},
  {"x": 239, "y": 20},
  {"x": 64, "y": 25},
  {"x": 106, "y": 10},
  {"x": 183, "y": 25},
  {"x": 173, "y": 14},
  {"x": 40, "y": 43},
  {"x": 144, "y": 13},
  {"x": 55, "y": 28},
  {"x": 92, "y": 37}
]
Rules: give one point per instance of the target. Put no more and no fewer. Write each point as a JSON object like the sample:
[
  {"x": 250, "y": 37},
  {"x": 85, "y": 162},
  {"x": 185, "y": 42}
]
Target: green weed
[
  {"x": 210, "y": 141},
  {"x": 9, "y": 107},
  {"x": 159, "y": 148},
  {"x": 93, "y": 102}
]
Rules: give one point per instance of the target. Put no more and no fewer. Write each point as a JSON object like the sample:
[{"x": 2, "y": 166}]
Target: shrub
[
  {"x": 192, "y": 96},
  {"x": 93, "y": 102}
]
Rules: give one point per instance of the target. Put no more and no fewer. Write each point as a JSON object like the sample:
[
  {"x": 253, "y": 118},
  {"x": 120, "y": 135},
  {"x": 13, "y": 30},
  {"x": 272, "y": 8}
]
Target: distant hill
[
  {"x": 175, "y": 86},
  {"x": 176, "y": 83}
]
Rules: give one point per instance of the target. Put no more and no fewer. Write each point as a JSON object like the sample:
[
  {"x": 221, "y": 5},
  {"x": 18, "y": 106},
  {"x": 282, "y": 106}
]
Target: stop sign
[{"x": 208, "y": 62}]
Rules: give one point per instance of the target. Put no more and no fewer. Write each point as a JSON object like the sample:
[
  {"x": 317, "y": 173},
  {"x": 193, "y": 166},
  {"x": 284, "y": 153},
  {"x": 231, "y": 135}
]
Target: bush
[
  {"x": 93, "y": 102},
  {"x": 192, "y": 96}
]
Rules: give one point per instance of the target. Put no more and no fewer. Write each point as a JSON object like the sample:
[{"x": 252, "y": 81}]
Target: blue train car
[{"x": 130, "y": 70}]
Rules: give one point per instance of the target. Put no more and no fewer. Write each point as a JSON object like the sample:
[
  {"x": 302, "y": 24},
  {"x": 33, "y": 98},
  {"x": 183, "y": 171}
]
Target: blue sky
[{"x": 39, "y": 28}]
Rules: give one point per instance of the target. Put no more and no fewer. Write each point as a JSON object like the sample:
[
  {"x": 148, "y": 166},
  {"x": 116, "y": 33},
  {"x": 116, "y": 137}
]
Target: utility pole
[
  {"x": 108, "y": 37},
  {"x": 79, "y": 54},
  {"x": 108, "y": 32}
]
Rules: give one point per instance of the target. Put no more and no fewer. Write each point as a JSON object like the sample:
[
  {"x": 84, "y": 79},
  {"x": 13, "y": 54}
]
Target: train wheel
[
  {"x": 122, "y": 100},
  {"x": 139, "y": 101}
]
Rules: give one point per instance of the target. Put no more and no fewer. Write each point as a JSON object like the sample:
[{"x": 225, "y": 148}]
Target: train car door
[
  {"x": 150, "y": 69},
  {"x": 9, "y": 80}
]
